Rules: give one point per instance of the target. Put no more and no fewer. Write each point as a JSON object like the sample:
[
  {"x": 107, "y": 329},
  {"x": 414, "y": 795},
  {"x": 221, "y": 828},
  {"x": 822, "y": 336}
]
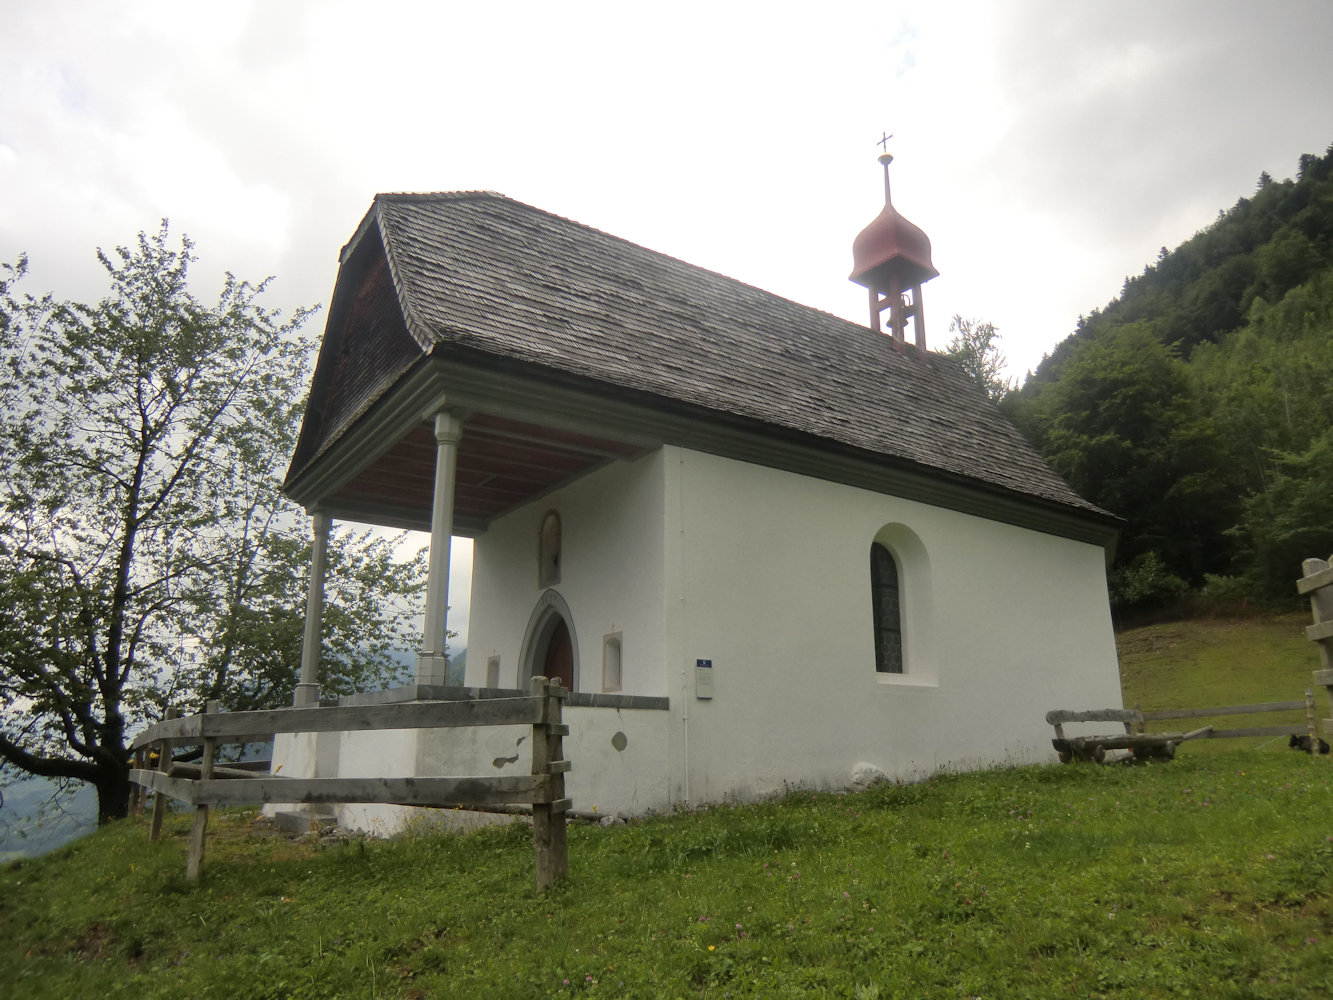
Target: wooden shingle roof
[{"x": 478, "y": 275}]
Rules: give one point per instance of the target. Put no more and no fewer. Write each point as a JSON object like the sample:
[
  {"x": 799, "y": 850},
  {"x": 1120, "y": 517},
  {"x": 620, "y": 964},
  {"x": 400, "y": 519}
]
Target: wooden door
[{"x": 558, "y": 663}]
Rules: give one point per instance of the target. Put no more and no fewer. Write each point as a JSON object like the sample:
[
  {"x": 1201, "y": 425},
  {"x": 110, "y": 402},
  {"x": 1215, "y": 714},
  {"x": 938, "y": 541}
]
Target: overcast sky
[{"x": 1049, "y": 148}]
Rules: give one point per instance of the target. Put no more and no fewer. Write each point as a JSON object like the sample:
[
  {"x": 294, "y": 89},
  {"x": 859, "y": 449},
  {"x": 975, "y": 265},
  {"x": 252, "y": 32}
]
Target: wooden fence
[
  {"x": 208, "y": 784},
  {"x": 1318, "y": 584},
  {"x": 1214, "y": 733}
]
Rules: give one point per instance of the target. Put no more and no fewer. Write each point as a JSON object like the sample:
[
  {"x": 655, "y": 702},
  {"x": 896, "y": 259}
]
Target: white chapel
[{"x": 763, "y": 546}]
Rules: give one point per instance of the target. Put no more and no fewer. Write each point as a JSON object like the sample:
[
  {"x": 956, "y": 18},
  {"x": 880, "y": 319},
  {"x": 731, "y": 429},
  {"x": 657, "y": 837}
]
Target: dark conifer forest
[{"x": 1198, "y": 405}]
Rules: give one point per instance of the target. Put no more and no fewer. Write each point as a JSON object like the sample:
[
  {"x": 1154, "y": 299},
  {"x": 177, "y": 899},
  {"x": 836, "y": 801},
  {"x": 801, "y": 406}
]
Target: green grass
[{"x": 1211, "y": 876}]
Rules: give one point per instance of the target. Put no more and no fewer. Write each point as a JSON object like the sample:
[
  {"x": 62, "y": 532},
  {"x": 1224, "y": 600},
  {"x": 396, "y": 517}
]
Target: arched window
[
  {"x": 548, "y": 550},
  {"x": 887, "y": 610}
]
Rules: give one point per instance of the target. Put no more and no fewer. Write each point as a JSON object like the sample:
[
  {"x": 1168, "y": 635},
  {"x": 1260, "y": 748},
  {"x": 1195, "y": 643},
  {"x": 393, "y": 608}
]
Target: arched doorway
[{"x": 550, "y": 647}]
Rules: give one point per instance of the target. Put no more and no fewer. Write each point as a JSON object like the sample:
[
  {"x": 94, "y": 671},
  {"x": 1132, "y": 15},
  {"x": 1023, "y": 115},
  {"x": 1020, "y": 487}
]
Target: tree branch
[{"x": 46, "y": 767}]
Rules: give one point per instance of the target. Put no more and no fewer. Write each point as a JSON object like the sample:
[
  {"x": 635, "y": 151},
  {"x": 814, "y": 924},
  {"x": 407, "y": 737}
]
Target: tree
[
  {"x": 146, "y": 553},
  {"x": 1124, "y": 427},
  {"x": 1292, "y": 520},
  {"x": 976, "y": 346}
]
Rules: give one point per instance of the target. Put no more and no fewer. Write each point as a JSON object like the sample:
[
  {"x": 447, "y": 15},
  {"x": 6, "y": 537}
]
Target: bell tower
[{"x": 891, "y": 257}]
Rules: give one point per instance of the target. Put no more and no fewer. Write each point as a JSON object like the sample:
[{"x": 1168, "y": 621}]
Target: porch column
[
  {"x": 432, "y": 666},
  {"x": 307, "y": 689}
]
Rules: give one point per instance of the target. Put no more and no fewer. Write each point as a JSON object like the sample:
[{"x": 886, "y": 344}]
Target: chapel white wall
[
  {"x": 611, "y": 578},
  {"x": 1002, "y": 624}
]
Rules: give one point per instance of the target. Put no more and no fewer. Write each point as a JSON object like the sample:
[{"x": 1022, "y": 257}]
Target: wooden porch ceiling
[{"x": 502, "y": 464}]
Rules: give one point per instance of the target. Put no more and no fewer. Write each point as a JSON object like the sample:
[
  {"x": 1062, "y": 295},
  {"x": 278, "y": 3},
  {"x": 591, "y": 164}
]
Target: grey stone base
[{"x": 304, "y": 820}]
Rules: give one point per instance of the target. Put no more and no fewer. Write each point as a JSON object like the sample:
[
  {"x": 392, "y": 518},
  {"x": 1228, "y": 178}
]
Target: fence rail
[
  {"x": 238, "y": 727},
  {"x": 206, "y": 784},
  {"x": 1213, "y": 733}
]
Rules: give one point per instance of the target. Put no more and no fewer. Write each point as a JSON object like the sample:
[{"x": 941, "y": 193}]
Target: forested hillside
[{"x": 1198, "y": 405}]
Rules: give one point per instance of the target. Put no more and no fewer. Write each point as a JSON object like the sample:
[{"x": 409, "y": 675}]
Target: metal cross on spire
[{"x": 884, "y": 141}]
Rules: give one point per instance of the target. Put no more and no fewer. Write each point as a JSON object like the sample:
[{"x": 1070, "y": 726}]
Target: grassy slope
[{"x": 1211, "y": 876}]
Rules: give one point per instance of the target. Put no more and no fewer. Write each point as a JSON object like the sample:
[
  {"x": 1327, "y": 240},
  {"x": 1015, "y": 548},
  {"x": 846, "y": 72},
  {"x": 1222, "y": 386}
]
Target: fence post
[
  {"x": 194, "y": 863},
  {"x": 1318, "y": 583},
  {"x": 548, "y": 817},
  {"x": 164, "y": 765},
  {"x": 136, "y": 789}
]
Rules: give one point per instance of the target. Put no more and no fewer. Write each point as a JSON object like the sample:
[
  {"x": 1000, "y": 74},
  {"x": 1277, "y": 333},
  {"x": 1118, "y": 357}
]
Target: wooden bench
[{"x": 1160, "y": 746}]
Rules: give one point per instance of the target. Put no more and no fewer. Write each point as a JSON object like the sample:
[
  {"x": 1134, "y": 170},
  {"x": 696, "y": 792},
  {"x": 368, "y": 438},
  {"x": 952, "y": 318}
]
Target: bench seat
[{"x": 1142, "y": 744}]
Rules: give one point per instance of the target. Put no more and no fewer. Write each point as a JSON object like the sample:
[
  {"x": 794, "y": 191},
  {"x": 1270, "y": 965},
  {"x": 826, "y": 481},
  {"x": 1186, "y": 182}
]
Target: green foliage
[
  {"x": 1225, "y": 592},
  {"x": 1292, "y": 520},
  {"x": 371, "y": 598},
  {"x": 1268, "y": 385},
  {"x": 147, "y": 555},
  {"x": 1146, "y": 583},
  {"x": 976, "y": 346},
  {"x": 1193, "y": 405},
  {"x": 1125, "y": 428}
]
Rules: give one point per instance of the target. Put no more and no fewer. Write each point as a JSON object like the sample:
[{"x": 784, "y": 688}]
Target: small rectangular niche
[
  {"x": 612, "y": 653},
  {"x": 492, "y": 671}
]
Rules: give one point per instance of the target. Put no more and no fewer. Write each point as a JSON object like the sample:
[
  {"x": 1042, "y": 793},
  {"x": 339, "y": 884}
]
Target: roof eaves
[{"x": 752, "y": 426}]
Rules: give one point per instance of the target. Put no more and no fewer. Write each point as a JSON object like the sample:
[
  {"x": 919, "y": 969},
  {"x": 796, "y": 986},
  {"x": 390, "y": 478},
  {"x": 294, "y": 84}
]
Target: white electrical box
[{"x": 703, "y": 679}]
